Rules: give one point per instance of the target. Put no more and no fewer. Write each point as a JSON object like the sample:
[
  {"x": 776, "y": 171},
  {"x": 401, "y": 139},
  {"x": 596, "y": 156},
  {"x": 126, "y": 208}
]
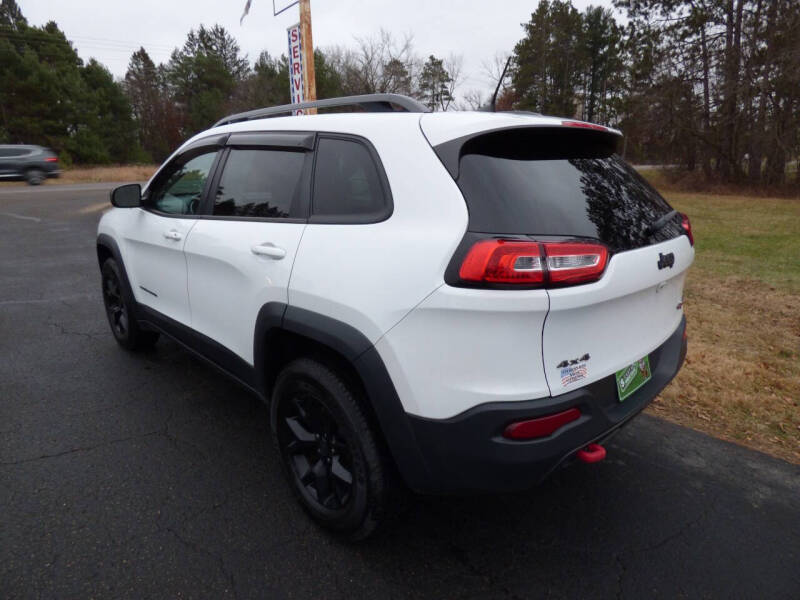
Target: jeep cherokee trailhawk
[{"x": 467, "y": 300}]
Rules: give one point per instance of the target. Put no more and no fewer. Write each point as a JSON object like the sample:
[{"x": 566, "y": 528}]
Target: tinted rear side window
[
  {"x": 260, "y": 183},
  {"x": 347, "y": 183},
  {"x": 559, "y": 183}
]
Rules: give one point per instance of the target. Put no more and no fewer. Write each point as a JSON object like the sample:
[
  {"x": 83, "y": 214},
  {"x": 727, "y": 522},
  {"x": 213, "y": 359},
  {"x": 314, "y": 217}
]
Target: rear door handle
[
  {"x": 268, "y": 249},
  {"x": 173, "y": 235}
]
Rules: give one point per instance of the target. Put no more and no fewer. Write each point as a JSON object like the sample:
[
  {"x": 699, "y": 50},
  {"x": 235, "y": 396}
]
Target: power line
[{"x": 42, "y": 40}]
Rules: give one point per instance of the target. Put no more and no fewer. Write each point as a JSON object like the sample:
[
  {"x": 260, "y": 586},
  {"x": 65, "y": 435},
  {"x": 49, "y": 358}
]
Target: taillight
[
  {"x": 687, "y": 227},
  {"x": 536, "y": 264},
  {"x": 584, "y": 125},
  {"x": 51, "y": 159},
  {"x": 573, "y": 263},
  {"x": 503, "y": 261}
]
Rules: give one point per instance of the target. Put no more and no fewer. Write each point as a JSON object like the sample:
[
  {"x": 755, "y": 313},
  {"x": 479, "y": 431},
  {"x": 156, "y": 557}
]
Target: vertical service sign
[{"x": 295, "y": 66}]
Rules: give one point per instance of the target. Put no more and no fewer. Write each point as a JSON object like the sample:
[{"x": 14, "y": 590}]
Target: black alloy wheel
[
  {"x": 329, "y": 451},
  {"x": 118, "y": 316},
  {"x": 120, "y": 312},
  {"x": 316, "y": 452}
]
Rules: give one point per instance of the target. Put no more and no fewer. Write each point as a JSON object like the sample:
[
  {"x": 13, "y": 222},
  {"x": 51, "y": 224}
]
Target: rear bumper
[{"x": 468, "y": 453}]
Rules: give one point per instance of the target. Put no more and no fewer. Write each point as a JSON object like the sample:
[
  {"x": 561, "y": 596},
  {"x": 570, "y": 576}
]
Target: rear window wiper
[{"x": 660, "y": 222}]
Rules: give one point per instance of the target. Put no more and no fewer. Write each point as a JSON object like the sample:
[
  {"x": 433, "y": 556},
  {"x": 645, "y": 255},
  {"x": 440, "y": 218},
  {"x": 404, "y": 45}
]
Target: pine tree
[{"x": 434, "y": 84}]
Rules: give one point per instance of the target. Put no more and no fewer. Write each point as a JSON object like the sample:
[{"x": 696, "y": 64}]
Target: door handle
[
  {"x": 268, "y": 249},
  {"x": 173, "y": 235}
]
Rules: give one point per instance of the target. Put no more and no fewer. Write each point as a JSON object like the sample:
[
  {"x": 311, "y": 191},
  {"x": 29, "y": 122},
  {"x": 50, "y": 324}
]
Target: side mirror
[{"x": 127, "y": 196}]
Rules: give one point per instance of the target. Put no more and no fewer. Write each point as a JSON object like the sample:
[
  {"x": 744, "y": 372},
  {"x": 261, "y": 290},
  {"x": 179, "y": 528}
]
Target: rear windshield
[{"x": 560, "y": 183}]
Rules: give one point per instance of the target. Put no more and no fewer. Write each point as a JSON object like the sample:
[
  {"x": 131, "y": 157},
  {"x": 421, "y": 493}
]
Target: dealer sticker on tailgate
[{"x": 632, "y": 377}]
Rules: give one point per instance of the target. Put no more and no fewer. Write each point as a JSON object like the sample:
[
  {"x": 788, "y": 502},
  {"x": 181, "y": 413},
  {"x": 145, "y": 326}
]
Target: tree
[
  {"x": 11, "y": 16},
  {"x": 379, "y": 64},
  {"x": 157, "y": 121},
  {"x": 107, "y": 131},
  {"x": 39, "y": 82},
  {"x": 735, "y": 63},
  {"x": 473, "y": 100},
  {"x": 548, "y": 61},
  {"x": 397, "y": 79},
  {"x": 328, "y": 79},
  {"x": 435, "y": 84},
  {"x": 203, "y": 76},
  {"x": 601, "y": 49},
  {"x": 49, "y": 97}
]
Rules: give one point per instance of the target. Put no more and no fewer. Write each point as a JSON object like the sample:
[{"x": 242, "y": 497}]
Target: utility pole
[{"x": 309, "y": 77}]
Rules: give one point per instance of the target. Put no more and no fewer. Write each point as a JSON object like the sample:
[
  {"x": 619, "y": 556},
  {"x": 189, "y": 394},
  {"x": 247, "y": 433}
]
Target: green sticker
[{"x": 632, "y": 377}]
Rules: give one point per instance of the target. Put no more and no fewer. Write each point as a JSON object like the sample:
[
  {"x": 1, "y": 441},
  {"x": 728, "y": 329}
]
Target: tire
[
  {"x": 34, "y": 176},
  {"x": 328, "y": 451},
  {"x": 118, "y": 301}
]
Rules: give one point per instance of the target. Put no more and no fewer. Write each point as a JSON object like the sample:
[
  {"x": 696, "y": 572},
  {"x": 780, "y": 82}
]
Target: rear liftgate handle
[{"x": 268, "y": 249}]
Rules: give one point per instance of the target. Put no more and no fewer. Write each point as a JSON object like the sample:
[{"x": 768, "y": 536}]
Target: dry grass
[
  {"x": 115, "y": 173},
  {"x": 741, "y": 380},
  {"x": 677, "y": 180},
  {"x": 106, "y": 174}
]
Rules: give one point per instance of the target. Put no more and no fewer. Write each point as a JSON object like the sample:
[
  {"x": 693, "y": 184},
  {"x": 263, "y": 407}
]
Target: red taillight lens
[
  {"x": 541, "y": 426},
  {"x": 534, "y": 263},
  {"x": 503, "y": 261},
  {"x": 584, "y": 125},
  {"x": 51, "y": 159},
  {"x": 687, "y": 227},
  {"x": 573, "y": 263}
]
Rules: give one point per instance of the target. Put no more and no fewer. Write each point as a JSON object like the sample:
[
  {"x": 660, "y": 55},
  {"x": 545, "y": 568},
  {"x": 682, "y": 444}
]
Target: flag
[{"x": 246, "y": 11}]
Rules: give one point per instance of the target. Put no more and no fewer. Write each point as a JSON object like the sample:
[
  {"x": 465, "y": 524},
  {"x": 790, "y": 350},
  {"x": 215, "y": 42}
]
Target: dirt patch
[{"x": 741, "y": 380}]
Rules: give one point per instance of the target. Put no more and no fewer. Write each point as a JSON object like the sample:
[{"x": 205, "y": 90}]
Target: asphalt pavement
[{"x": 137, "y": 476}]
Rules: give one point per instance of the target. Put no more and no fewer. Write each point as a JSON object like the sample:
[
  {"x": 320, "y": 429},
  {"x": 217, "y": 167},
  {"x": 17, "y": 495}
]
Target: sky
[{"x": 110, "y": 30}]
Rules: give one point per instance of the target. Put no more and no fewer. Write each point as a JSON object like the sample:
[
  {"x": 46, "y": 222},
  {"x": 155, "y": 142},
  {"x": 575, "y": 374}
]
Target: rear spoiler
[{"x": 571, "y": 139}]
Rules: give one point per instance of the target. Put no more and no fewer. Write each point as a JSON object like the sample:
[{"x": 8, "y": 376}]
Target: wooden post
[{"x": 309, "y": 77}]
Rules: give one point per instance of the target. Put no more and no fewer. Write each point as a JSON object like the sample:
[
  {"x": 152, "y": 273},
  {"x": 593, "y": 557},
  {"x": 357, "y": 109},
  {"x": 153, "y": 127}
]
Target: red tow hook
[{"x": 593, "y": 453}]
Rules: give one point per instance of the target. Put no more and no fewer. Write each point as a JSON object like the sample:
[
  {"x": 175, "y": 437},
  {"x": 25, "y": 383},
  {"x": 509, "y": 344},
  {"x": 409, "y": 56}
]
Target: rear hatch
[{"x": 567, "y": 184}]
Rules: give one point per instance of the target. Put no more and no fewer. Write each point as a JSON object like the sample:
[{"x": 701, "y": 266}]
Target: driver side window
[{"x": 180, "y": 190}]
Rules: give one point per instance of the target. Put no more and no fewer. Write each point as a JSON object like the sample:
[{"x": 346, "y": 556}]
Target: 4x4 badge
[
  {"x": 574, "y": 361},
  {"x": 666, "y": 260}
]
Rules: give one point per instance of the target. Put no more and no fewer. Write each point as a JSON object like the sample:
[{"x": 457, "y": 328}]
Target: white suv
[{"x": 467, "y": 300}]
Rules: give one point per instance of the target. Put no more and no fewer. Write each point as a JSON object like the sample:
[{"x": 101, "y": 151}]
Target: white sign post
[{"x": 296, "y": 66}]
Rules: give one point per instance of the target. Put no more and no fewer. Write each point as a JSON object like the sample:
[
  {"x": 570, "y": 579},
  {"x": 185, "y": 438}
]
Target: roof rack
[{"x": 369, "y": 102}]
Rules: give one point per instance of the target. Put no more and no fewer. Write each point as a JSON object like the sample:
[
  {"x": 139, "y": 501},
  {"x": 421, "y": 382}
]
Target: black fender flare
[
  {"x": 353, "y": 346},
  {"x": 110, "y": 244}
]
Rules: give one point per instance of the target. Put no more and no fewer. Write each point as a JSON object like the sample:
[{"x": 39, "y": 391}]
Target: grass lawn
[{"x": 741, "y": 380}]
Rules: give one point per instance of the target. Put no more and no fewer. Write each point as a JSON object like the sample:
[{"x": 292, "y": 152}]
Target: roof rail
[{"x": 369, "y": 102}]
